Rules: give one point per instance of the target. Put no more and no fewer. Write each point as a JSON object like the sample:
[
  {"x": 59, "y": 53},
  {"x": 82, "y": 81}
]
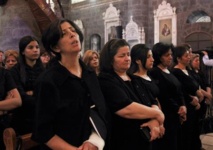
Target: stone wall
[
  {"x": 142, "y": 10},
  {"x": 16, "y": 19}
]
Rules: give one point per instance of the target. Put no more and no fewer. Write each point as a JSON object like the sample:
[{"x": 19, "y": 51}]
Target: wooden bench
[{"x": 12, "y": 142}]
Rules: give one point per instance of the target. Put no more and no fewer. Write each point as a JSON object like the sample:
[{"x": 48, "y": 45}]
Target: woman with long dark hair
[{"x": 25, "y": 73}]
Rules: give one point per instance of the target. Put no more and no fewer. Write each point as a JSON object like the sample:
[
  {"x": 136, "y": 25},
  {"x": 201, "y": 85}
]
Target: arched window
[{"x": 198, "y": 16}]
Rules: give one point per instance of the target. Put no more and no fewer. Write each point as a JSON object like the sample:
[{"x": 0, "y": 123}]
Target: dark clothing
[
  {"x": 146, "y": 90},
  {"x": 6, "y": 84},
  {"x": 170, "y": 98},
  {"x": 63, "y": 105},
  {"x": 25, "y": 77},
  {"x": 125, "y": 133},
  {"x": 202, "y": 80},
  {"x": 190, "y": 129}
]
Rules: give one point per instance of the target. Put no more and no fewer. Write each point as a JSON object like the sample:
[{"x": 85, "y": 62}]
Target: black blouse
[
  {"x": 6, "y": 83},
  {"x": 171, "y": 96},
  {"x": 146, "y": 90},
  {"x": 25, "y": 77},
  {"x": 63, "y": 104},
  {"x": 125, "y": 134},
  {"x": 189, "y": 84}
]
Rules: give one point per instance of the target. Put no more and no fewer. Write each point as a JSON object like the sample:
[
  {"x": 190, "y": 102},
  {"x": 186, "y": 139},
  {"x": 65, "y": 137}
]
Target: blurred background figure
[
  {"x": 91, "y": 59},
  {"x": 206, "y": 60},
  {"x": 10, "y": 58},
  {"x": 1, "y": 58},
  {"x": 205, "y": 86},
  {"x": 45, "y": 58}
]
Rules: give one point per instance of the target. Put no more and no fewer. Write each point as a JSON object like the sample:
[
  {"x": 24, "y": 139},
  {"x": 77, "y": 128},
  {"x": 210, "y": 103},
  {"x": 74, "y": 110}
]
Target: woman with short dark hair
[
  {"x": 193, "y": 96},
  {"x": 170, "y": 96},
  {"x": 66, "y": 92}
]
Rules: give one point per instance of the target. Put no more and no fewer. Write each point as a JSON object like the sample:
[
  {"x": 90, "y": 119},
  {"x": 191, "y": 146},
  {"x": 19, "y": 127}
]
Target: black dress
[
  {"x": 202, "y": 80},
  {"x": 63, "y": 105},
  {"x": 190, "y": 128},
  {"x": 146, "y": 87},
  {"x": 125, "y": 133},
  {"x": 25, "y": 77},
  {"x": 6, "y": 84},
  {"x": 170, "y": 98}
]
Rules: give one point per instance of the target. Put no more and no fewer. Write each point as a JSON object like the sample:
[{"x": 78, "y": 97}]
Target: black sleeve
[
  {"x": 27, "y": 100},
  {"x": 10, "y": 83},
  {"x": 115, "y": 96},
  {"x": 47, "y": 96}
]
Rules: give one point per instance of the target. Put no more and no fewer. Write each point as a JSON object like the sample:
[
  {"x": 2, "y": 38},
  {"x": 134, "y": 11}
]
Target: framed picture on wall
[
  {"x": 165, "y": 31},
  {"x": 165, "y": 24}
]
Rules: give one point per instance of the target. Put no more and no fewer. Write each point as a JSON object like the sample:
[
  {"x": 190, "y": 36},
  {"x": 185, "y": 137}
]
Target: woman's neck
[
  {"x": 141, "y": 72},
  {"x": 162, "y": 67},
  {"x": 72, "y": 64},
  {"x": 30, "y": 63},
  {"x": 180, "y": 66},
  {"x": 123, "y": 75}
]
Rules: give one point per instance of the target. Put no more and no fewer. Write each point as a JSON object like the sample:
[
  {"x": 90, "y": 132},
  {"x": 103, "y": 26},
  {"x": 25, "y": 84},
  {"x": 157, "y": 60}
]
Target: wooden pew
[{"x": 12, "y": 142}]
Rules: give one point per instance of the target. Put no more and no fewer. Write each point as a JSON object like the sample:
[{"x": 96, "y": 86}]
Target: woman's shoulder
[
  {"x": 3, "y": 72},
  {"x": 104, "y": 75},
  {"x": 176, "y": 70},
  {"x": 154, "y": 72}
]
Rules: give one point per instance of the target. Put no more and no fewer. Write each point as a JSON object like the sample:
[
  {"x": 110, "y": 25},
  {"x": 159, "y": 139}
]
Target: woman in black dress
[
  {"x": 142, "y": 62},
  {"x": 200, "y": 77},
  {"x": 170, "y": 96},
  {"x": 129, "y": 113},
  {"x": 193, "y": 97},
  {"x": 145, "y": 87},
  {"x": 25, "y": 73},
  {"x": 9, "y": 100},
  {"x": 65, "y": 94}
]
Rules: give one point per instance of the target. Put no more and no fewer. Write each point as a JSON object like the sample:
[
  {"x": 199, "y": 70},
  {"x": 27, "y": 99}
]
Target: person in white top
[{"x": 206, "y": 60}]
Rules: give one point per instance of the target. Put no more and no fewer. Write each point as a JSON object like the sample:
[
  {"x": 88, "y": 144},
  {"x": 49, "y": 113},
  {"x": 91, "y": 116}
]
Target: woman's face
[
  {"x": 166, "y": 59},
  {"x": 149, "y": 60},
  {"x": 10, "y": 62},
  {"x": 32, "y": 51},
  {"x": 184, "y": 59},
  {"x": 195, "y": 63},
  {"x": 122, "y": 60},
  {"x": 94, "y": 62},
  {"x": 45, "y": 58},
  {"x": 69, "y": 42}
]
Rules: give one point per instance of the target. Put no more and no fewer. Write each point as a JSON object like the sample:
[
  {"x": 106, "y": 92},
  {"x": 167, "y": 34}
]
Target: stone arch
[
  {"x": 199, "y": 40},
  {"x": 185, "y": 29}
]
